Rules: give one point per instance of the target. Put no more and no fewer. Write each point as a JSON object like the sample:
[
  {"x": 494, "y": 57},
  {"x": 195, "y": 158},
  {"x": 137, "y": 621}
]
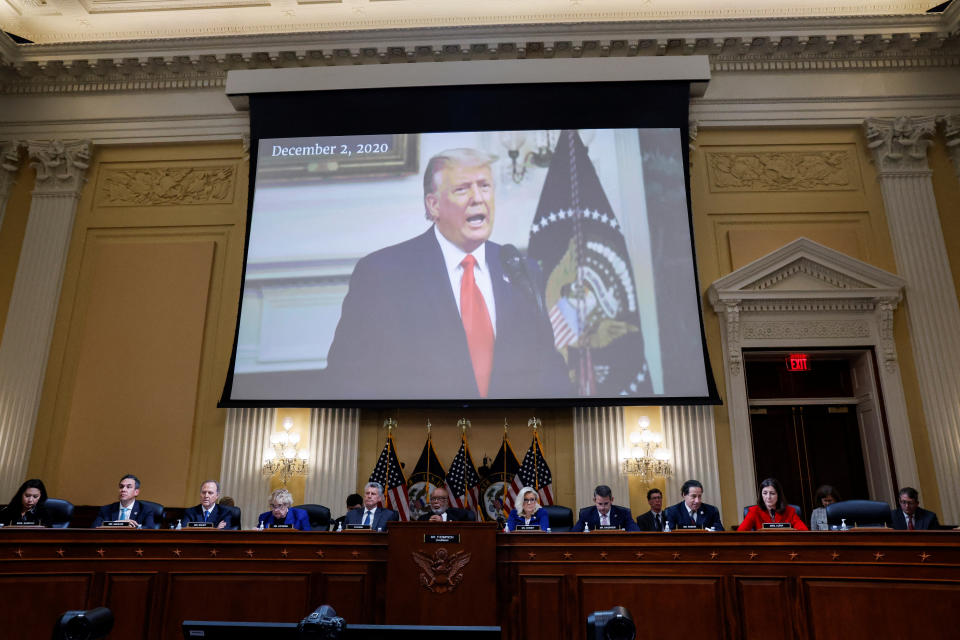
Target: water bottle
[
  {"x": 586, "y": 528},
  {"x": 179, "y": 526},
  {"x": 340, "y": 526},
  {"x": 549, "y": 530},
  {"x": 666, "y": 526},
  {"x": 843, "y": 524}
]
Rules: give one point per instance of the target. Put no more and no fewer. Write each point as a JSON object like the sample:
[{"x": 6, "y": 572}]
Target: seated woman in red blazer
[{"x": 771, "y": 507}]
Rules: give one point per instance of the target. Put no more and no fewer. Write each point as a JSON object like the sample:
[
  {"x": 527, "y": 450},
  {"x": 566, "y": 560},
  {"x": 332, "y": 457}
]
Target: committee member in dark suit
[
  {"x": 128, "y": 509},
  {"x": 26, "y": 506},
  {"x": 771, "y": 507},
  {"x": 693, "y": 511},
  {"x": 208, "y": 510},
  {"x": 652, "y": 520},
  {"x": 604, "y": 513},
  {"x": 372, "y": 514},
  {"x": 527, "y": 511},
  {"x": 443, "y": 313},
  {"x": 441, "y": 511},
  {"x": 910, "y": 516},
  {"x": 281, "y": 512}
]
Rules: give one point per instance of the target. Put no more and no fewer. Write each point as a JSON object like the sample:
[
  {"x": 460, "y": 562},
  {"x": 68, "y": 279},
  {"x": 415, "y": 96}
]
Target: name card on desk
[
  {"x": 352, "y": 527},
  {"x": 777, "y": 525},
  {"x": 275, "y": 525},
  {"x": 528, "y": 527},
  {"x": 202, "y": 525},
  {"x": 607, "y": 527},
  {"x": 687, "y": 527},
  {"x": 114, "y": 524},
  {"x": 441, "y": 538}
]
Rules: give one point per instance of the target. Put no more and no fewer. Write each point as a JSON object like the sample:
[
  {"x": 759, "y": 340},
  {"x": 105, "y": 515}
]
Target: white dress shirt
[{"x": 452, "y": 257}]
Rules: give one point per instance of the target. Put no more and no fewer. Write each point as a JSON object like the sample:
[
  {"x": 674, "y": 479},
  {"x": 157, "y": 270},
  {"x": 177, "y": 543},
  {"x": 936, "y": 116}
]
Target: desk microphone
[{"x": 516, "y": 269}]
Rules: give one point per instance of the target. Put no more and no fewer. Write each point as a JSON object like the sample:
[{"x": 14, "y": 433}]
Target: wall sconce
[
  {"x": 647, "y": 457},
  {"x": 285, "y": 456},
  {"x": 539, "y": 156}
]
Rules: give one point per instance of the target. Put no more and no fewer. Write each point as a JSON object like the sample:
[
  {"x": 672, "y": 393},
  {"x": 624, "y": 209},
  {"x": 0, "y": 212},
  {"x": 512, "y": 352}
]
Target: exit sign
[{"x": 798, "y": 362}]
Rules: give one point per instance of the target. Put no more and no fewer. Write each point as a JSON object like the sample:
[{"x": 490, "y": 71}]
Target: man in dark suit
[
  {"x": 372, "y": 514},
  {"x": 652, "y": 520},
  {"x": 354, "y": 501},
  {"x": 128, "y": 510},
  {"x": 208, "y": 510},
  {"x": 441, "y": 511},
  {"x": 446, "y": 313},
  {"x": 910, "y": 516},
  {"x": 605, "y": 514},
  {"x": 693, "y": 512}
]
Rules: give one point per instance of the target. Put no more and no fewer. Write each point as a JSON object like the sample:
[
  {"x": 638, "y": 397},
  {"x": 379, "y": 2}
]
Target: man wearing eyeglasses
[{"x": 441, "y": 511}]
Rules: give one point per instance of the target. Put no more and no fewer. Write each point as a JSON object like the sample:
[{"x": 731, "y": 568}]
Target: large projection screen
[{"x": 573, "y": 202}]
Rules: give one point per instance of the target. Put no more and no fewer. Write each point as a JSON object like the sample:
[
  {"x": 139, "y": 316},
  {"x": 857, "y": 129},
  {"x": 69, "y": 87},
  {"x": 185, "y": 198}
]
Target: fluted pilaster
[
  {"x": 333, "y": 457},
  {"x": 899, "y": 147},
  {"x": 61, "y": 167},
  {"x": 597, "y": 442},
  {"x": 245, "y": 439},
  {"x": 9, "y": 165},
  {"x": 689, "y": 432},
  {"x": 951, "y": 131}
]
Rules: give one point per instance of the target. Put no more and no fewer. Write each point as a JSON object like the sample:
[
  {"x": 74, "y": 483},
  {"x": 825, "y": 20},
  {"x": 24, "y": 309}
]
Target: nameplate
[
  {"x": 441, "y": 538},
  {"x": 26, "y": 523},
  {"x": 528, "y": 527},
  {"x": 687, "y": 527},
  {"x": 777, "y": 525},
  {"x": 115, "y": 523},
  {"x": 358, "y": 526},
  {"x": 278, "y": 526},
  {"x": 607, "y": 527},
  {"x": 204, "y": 525}
]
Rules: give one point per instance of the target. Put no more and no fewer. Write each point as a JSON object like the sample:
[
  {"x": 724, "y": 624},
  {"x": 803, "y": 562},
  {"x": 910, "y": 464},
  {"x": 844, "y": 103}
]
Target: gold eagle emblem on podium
[{"x": 441, "y": 572}]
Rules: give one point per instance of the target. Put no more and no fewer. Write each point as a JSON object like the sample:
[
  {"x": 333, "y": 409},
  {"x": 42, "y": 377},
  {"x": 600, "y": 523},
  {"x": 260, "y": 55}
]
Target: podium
[{"x": 442, "y": 573}]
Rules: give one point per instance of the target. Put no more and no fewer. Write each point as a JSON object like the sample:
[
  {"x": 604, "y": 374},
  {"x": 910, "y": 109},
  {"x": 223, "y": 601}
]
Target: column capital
[
  {"x": 951, "y": 131},
  {"x": 9, "y": 165},
  {"x": 61, "y": 165},
  {"x": 899, "y": 145}
]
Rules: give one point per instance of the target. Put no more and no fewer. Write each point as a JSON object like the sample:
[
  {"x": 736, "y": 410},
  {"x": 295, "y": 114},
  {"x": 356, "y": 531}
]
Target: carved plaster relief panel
[
  {"x": 752, "y": 170},
  {"x": 164, "y": 186}
]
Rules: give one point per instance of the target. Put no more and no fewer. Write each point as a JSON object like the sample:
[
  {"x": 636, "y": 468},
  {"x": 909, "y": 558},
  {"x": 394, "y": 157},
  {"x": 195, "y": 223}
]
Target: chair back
[
  {"x": 859, "y": 513},
  {"x": 59, "y": 511},
  {"x": 559, "y": 517},
  {"x": 318, "y": 515},
  {"x": 157, "y": 510}
]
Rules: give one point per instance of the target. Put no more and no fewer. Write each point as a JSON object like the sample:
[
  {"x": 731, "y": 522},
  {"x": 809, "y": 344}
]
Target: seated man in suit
[
  {"x": 128, "y": 510},
  {"x": 354, "y": 501},
  {"x": 652, "y": 520},
  {"x": 208, "y": 510},
  {"x": 693, "y": 512},
  {"x": 910, "y": 516},
  {"x": 604, "y": 513},
  {"x": 282, "y": 512},
  {"x": 372, "y": 514},
  {"x": 440, "y": 509}
]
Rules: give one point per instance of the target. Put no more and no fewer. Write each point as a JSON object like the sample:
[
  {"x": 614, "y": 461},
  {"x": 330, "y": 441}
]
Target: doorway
[{"x": 821, "y": 425}]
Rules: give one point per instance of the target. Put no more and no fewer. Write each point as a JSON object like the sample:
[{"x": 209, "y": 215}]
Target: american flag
[
  {"x": 389, "y": 474},
  {"x": 463, "y": 481},
  {"x": 534, "y": 472}
]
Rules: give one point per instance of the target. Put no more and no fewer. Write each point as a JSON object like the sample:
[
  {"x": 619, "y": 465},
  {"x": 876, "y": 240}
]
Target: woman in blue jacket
[{"x": 527, "y": 511}]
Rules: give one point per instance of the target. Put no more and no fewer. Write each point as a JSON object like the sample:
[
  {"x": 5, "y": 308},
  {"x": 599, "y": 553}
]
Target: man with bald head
[
  {"x": 441, "y": 511},
  {"x": 447, "y": 313}
]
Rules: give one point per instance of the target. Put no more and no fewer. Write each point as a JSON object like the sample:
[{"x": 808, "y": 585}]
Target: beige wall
[
  {"x": 145, "y": 323},
  {"x": 148, "y": 306}
]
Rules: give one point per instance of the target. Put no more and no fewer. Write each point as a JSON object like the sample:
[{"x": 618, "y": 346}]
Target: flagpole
[
  {"x": 535, "y": 422},
  {"x": 505, "y": 428},
  {"x": 584, "y": 369},
  {"x": 429, "y": 451},
  {"x": 463, "y": 423},
  {"x": 389, "y": 424}
]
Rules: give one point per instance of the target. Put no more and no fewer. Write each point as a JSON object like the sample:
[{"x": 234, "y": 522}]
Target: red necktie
[
  {"x": 476, "y": 323},
  {"x": 910, "y": 523}
]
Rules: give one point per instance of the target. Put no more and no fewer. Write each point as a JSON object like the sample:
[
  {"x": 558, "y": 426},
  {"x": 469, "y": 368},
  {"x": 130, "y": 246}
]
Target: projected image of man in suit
[{"x": 448, "y": 313}]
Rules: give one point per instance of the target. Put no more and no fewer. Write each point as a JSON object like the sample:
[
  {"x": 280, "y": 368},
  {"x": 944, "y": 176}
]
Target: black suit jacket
[
  {"x": 646, "y": 521},
  {"x": 707, "y": 516},
  {"x": 380, "y": 517},
  {"x": 195, "y": 514},
  {"x": 139, "y": 514},
  {"x": 400, "y": 334},
  {"x": 619, "y": 516},
  {"x": 922, "y": 519},
  {"x": 38, "y": 516},
  {"x": 453, "y": 515}
]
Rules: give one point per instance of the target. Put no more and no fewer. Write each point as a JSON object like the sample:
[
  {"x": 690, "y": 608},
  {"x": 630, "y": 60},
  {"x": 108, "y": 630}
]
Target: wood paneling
[
  {"x": 131, "y": 598},
  {"x": 763, "y": 606},
  {"x": 31, "y": 602},
  {"x": 539, "y": 594}
]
